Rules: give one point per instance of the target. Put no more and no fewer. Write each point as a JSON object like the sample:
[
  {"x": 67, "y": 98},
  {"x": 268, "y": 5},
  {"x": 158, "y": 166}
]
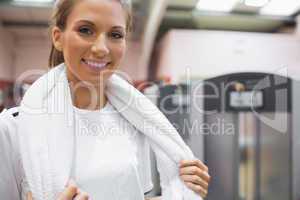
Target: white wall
[
  {"x": 6, "y": 55},
  {"x": 131, "y": 62},
  {"x": 210, "y": 53}
]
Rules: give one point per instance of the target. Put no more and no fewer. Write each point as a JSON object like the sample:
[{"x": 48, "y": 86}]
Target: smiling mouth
[{"x": 95, "y": 65}]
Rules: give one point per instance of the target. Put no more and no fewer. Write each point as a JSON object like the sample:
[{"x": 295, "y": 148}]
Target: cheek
[
  {"x": 119, "y": 52},
  {"x": 74, "y": 47}
]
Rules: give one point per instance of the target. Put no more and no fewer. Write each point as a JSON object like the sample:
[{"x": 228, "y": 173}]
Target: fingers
[
  {"x": 82, "y": 195},
  {"x": 29, "y": 196},
  {"x": 195, "y": 175},
  {"x": 198, "y": 189},
  {"x": 193, "y": 170},
  {"x": 195, "y": 180},
  {"x": 69, "y": 192},
  {"x": 198, "y": 163}
]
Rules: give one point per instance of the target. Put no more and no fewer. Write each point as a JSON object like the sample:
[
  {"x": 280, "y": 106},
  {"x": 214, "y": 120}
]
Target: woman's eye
[
  {"x": 117, "y": 35},
  {"x": 85, "y": 31}
]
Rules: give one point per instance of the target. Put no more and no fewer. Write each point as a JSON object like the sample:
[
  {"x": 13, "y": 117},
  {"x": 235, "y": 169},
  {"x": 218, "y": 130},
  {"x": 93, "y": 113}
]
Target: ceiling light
[
  {"x": 280, "y": 7},
  {"x": 256, "y": 3},
  {"x": 216, "y": 5}
]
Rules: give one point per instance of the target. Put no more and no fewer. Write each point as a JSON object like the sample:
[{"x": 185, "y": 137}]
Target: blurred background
[
  {"x": 239, "y": 44},
  {"x": 208, "y": 37}
]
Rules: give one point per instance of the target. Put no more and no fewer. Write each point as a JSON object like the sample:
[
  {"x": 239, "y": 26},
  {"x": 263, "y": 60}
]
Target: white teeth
[{"x": 95, "y": 64}]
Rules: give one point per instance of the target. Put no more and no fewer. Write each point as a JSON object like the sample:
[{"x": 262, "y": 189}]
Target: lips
[{"x": 95, "y": 65}]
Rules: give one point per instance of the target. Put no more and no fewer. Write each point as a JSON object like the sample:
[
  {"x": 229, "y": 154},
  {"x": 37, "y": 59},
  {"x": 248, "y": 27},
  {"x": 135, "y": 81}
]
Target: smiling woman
[
  {"x": 90, "y": 39},
  {"x": 76, "y": 140},
  {"x": 59, "y": 19}
]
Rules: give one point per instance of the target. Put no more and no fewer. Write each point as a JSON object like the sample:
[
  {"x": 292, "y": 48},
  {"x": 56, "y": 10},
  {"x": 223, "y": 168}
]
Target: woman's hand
[
  {"x": 195, "y": 175},
  {"x": 72, "y": 192}
]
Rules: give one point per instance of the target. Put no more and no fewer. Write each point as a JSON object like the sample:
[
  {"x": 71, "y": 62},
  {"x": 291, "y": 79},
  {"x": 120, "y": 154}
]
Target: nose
[{"x": 100, "y": 47}]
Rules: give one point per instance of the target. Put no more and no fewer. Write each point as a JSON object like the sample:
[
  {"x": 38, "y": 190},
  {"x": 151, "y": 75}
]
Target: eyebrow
[
  {"x": 85, "y": 21},
  {"x": 92, "y": 24}
]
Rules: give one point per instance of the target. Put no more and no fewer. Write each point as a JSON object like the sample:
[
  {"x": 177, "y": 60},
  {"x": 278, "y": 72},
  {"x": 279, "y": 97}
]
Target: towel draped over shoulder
[{"x": 47, "y": 135}]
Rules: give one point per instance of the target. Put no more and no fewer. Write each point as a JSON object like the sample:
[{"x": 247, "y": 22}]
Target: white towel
[{"x": 47, "y": 135}]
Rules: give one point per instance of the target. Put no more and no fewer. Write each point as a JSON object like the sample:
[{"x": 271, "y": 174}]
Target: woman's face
[{"x": 93, "y": 42}]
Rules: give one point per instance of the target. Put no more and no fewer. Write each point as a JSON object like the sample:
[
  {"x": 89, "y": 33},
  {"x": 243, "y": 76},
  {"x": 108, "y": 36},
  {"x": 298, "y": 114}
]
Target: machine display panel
[{"x": 246, "y": 99}]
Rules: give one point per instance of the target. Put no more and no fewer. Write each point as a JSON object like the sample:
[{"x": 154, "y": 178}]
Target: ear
[{"x": 57, "y": 38}]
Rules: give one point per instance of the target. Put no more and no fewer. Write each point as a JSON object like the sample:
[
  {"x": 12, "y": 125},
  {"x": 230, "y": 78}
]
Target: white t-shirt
[{"x": 112, "y": 160}]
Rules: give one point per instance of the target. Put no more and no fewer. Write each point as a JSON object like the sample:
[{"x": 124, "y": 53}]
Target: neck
[{"x": 88, "y": 97}]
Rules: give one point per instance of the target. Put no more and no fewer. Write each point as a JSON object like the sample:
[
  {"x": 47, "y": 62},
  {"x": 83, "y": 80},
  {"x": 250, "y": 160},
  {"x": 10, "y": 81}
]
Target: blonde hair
[{"x": 61, "y": 11}]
